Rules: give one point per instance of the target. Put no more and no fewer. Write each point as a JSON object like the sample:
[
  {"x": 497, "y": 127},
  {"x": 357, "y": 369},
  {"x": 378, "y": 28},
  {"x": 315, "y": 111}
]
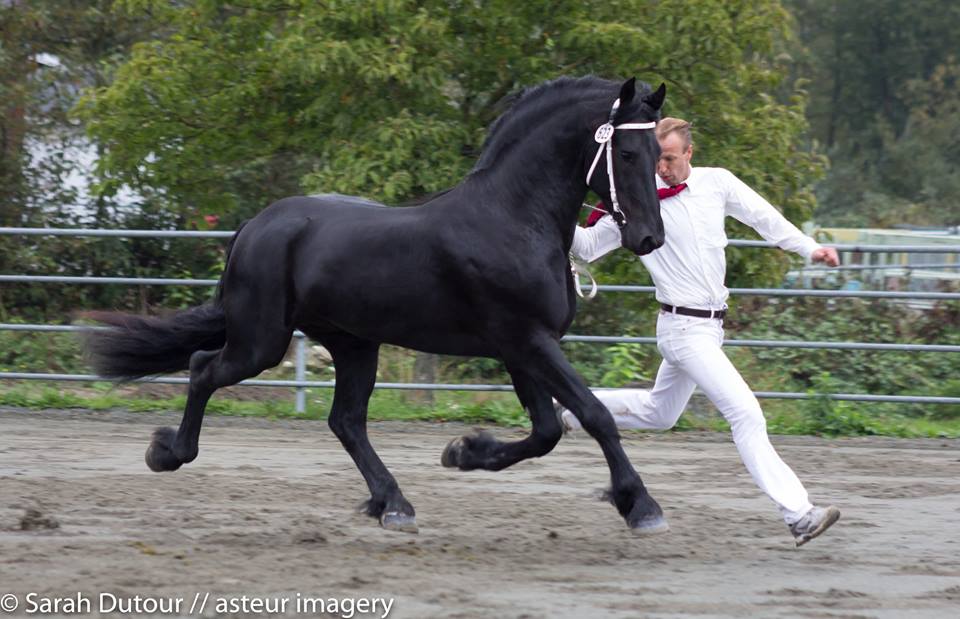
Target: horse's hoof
[
  {"x": 653, "y": 525},
  {"x": 160, "y": 456},
  {"x": 397, "y": 521},
  {"x": 451, "y": 453}
]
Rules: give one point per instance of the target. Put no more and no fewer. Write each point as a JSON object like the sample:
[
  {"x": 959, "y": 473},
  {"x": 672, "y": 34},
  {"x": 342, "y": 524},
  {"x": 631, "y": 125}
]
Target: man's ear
[{"x": 655, "y": 99}]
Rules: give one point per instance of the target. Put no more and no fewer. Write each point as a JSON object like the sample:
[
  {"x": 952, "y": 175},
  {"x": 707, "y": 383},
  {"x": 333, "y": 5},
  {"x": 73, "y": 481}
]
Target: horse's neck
[
  {"x": 546, "y": 210},
  {"x": 538, "y": 194}
]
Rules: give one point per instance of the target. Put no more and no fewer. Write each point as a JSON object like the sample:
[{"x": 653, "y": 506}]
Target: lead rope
[{"x": 578, "y": 270}]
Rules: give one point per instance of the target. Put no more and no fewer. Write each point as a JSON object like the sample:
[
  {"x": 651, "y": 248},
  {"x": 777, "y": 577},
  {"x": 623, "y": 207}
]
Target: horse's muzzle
[{"x": 649, "y": 243}]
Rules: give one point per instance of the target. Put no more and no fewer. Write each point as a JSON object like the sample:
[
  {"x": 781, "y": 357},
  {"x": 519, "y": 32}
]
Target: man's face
[{"x": 674, "y": 164}]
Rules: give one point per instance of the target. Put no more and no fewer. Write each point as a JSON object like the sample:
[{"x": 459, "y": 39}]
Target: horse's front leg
[
  {"x": 482, "y": 451},
  {"x": 355, "y": 361},
  {"x": 545, "y": 361}
]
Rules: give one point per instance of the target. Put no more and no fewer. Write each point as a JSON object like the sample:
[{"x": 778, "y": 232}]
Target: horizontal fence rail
[
  {"x": 300, "y": 383},
  {"x": 857, "y": 248},
  {"x": 819, "y": 268},
  {"x": 220, "y": 234},
  {"x": 109, "y": 232},
  {"x": 773, "y": 395},
  {"x": 134, "y": 281},
  {"x": 766, "y": 292},
  {"x": 787, "y": 292},
  {"x": 618, "y": 339},
  {"x": 603, "y": 339}
]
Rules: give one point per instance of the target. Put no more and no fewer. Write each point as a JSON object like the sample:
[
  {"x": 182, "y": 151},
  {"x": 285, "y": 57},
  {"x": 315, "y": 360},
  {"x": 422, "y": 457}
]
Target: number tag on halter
[{"x": 603, "y": 134}]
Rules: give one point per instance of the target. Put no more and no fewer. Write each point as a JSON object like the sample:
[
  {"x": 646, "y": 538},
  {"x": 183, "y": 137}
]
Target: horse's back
[
  {"x": 325, "y": 218},
  {"x": 442, "y": 277},
  {"x": 297, "y": 209},
  {"x": 339, "y": 198},
  {"x": 325, "y": 241}
]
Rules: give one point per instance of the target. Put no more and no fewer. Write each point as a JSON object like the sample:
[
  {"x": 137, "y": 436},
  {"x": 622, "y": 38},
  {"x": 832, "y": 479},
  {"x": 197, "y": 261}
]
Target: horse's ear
[
  {"x": 628, "y": 90},
  {"x": 655, "y": 99}
]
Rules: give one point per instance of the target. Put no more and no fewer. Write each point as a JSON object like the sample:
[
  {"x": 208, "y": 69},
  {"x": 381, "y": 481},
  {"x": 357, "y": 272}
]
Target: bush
[
  {"x": 828, "y": 417},
  {"x": 30, "y": 351}
]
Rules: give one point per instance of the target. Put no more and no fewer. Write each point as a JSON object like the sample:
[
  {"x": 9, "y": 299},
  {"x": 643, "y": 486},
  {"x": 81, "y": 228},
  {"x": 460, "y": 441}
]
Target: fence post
[{"x": 301, "y": 371}]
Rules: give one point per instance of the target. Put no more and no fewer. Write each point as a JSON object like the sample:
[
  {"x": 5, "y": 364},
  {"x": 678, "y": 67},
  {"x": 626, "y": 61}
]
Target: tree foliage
[
  {"x": 914, "y": 178},
  {"x": 246, "y": 102},
  {"x": 883, "y": 104},
  {"x": 49, "y": 52}
]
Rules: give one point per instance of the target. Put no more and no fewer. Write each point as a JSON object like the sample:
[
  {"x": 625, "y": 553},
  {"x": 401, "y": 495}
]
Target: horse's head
[{"x": 623, "y": 170}]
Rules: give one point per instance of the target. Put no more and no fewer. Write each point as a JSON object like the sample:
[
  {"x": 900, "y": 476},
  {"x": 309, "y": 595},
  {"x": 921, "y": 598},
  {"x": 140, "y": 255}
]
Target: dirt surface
[{"x": 268, "y": 512}]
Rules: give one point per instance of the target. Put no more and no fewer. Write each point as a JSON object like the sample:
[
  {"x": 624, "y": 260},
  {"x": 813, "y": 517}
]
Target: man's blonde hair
[{"x": 669, "y": 125}]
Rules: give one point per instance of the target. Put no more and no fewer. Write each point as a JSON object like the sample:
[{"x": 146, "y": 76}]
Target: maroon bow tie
[
  {"x": 669, "y": 192},
  {"x": 663, "y": 193},
  {"x": 595, "y": 214}
]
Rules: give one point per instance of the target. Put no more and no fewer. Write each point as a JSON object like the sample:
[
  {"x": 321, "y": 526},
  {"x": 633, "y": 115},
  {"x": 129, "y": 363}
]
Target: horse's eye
[{"x": 626, "y": 155}]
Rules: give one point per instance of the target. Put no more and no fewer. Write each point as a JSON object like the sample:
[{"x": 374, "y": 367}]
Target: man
[{"x": 688, "y": 272}]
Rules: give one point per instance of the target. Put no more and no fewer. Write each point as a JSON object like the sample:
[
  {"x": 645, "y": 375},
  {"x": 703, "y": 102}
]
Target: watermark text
[{"x": 195, "y": 604}]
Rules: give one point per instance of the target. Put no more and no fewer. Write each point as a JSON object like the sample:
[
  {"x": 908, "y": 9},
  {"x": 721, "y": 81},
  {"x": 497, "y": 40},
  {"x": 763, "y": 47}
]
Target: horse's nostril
[{"x": 648, "y": 244}]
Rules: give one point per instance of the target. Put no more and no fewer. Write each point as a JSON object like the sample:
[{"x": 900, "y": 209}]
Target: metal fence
[{"x": 300, "y": 383}]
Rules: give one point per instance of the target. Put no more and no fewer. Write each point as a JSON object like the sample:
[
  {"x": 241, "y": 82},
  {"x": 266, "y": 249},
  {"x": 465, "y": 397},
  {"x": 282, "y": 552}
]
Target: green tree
[
  {"x": 867, "y": 61},
  {"x": 49, "y": 52},
  {"x": 921, "y": 169},
  {"x": 246, "y": 102},
  {"x": 17, "y": 67}
]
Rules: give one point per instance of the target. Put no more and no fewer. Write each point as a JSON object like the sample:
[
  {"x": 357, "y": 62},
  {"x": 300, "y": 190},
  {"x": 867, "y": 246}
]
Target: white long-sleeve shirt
[{"x": 690, "y": 268}]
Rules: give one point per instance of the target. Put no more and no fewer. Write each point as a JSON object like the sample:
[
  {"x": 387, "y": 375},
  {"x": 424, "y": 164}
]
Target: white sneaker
[{"x": 815, "y": 522}]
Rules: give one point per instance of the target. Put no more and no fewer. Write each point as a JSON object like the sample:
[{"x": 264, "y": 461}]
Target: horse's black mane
[
  {"x": 531, "y": 106},
  {"x": 527, "y": 107}
]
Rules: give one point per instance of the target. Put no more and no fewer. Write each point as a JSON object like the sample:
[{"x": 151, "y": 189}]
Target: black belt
[{"x": 686, "y": 311}]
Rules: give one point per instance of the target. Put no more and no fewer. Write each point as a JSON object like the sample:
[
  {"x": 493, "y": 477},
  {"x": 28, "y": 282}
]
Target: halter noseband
[{"x": 604, "y": 137}]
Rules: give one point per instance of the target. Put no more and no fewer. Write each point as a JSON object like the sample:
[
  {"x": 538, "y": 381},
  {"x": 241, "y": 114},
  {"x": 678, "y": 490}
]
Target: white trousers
[{"x": 692, "y": 357}]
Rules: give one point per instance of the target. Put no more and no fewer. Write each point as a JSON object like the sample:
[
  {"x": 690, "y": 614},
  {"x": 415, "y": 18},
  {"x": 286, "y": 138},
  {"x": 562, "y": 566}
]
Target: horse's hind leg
[
  {"x": 246, "y": 354},
  {"x": 355, "y": 362},
  {"x": 483, "y": 451}
]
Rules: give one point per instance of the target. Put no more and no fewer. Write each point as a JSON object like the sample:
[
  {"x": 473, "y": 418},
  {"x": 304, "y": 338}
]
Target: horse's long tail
[{"x": 136, "y": 346}]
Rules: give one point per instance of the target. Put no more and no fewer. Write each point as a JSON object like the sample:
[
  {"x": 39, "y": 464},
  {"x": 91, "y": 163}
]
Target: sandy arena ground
[{"x": 267, "y": 511}]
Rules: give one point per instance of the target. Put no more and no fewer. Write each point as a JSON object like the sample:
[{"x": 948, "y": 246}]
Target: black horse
[{"x": 481, "y": 270}]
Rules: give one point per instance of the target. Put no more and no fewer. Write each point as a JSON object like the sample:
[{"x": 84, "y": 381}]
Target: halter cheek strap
[{"x": 604, "y": 137}]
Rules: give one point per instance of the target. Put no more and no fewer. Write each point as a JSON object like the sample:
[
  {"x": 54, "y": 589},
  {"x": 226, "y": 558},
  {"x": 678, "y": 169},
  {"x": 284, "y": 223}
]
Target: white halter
[{"x": 604, "y": 137}]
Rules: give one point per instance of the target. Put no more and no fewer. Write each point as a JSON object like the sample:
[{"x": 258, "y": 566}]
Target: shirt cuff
[{"x": 809, "y": 246}]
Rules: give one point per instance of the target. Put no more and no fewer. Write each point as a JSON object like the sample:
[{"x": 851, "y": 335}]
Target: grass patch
[
  {"x": 494, "y": 408},
  {"x": 818, "y": 416},
  {"x": 838, "y": 418}
]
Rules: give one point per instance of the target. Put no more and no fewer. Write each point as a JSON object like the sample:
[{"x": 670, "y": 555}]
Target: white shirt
[{"x": 690, "y": 268}]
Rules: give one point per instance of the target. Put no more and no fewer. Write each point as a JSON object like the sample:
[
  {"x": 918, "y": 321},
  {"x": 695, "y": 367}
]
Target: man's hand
[{"x": 826, "y": 255}]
